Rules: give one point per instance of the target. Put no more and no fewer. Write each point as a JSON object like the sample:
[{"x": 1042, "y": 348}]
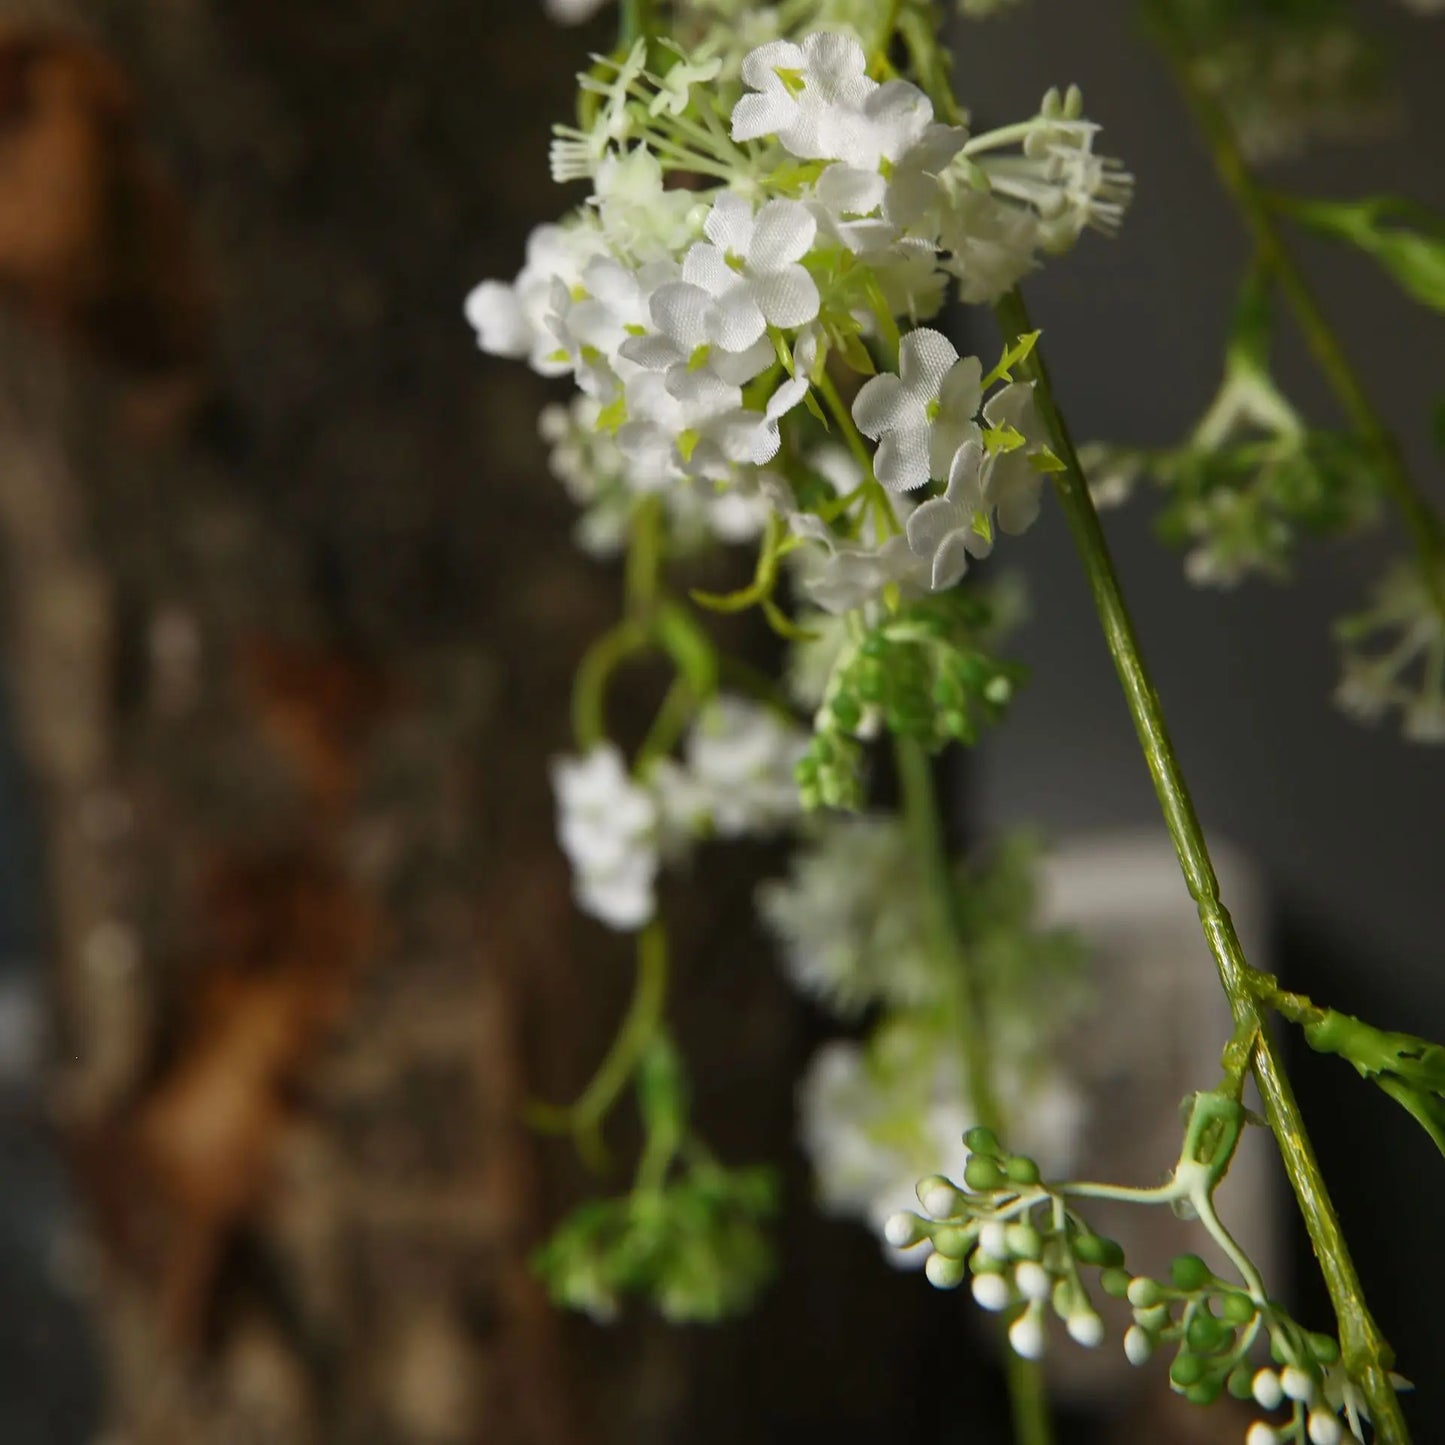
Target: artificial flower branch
[
  {"x": 1422, "y": 523},
  {"x": 1366, "y": 1352}
]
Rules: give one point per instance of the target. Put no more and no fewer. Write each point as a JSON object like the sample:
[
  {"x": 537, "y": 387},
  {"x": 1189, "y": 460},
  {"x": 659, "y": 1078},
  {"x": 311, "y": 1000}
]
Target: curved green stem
[
  {"x": 1027, "y": 1396},
  {"x": 584, "y": 1118},
  {"x": 1366, "y": 1353},
  {"x": 1427, "y": 533}
]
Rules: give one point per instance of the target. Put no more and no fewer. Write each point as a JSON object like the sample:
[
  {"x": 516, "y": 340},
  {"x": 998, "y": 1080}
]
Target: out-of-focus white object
[
  {"x": 571, "y": 12},
  {"x": 1151, "y": 1037}
]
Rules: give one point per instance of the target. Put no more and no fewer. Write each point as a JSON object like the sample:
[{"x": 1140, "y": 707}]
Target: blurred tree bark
[{"x": 291, "y": 615}]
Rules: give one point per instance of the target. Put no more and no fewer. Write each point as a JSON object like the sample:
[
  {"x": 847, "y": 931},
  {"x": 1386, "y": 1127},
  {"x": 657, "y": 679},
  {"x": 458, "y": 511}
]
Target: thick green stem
[
  {"x": 1028, "y": 1397},
  {"x": 1366, "y": 1353},
  {"x": 1427, "y": 534}
]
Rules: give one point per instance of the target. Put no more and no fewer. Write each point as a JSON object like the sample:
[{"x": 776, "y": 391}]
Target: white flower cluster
[
  {"x": 698, "y": 324},
  {"x": 736, "y": 778},
  {"x": 1409, "y": 674},
  {"x": 875, "y": 1119},
  {"x": 850, "y": 917}
]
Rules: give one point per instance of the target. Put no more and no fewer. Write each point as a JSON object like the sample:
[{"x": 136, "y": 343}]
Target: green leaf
[
  {"x": 1017, "y": 352},
  {"x": 1405, "y": 238}
]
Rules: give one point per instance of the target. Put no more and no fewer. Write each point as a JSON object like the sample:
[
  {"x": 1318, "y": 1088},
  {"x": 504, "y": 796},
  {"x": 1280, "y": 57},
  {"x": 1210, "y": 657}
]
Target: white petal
[
  {"x": 950, "y": 561},
  {"x": 788, "y": 298},
  {"x": 846, "y": 190},
  {"x": 786, "y": 397},
  {"x": 1014, "y": 406},
  {"x": 652, "y": 352},
  {"x": 966, "y": 477},
  {"x": 836, "y": 65},
  {"x": 707, "y": 266},
  {"x": 501, "y": 328},
  {"x": 760, "y": 66},
  {"x": 736, "y": 321},
  {"x": 931, "y": 523},
  {"x": 898, "y": 113},
  {"x": 729, "y": 224},
  {"x": 783, "y": 234},
  {"x": 961, "y": 392},
  {"x": 755, "y": 116},
  {"x": 881, "y": 403},
  {"x": 902, "y": 460},
  {"x": 681, "y": 311},
  {"x": 924, "y": 358},
  {"x": 702, "y": 393},
  {"x": 737, "y": 368}
]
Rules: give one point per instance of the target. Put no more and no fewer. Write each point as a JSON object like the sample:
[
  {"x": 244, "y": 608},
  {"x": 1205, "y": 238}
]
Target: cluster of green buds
[
  {"x": 1018, "y": 1239},
  {"x": 921, "y": 673},
  {"x": 689, "y": 1236},
  {"x": 696, "y": 1246}
]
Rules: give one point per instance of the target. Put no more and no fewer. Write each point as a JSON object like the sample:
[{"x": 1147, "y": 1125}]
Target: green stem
[
  {"x": 1027, "y": 1396},
  {"x": 1366, "y": 1353},
  {"x": 1427, "y": 534},
  {"x": 584, "y": 1118}
]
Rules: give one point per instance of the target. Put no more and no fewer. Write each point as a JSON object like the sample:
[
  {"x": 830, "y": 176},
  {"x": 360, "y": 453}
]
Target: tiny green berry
[
  {"x": 1189, "y": 1272},
  {"x": 982, "y": 1173}
]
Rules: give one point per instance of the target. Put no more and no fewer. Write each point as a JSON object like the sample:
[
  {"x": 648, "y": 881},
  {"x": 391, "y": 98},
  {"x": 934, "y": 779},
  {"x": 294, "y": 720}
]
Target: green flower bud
[
  {"x": 1144, "y": 1293},
  {"x": 1240, "y": 1383},
  {"x": 1204, "y": 1392},
  {"x": 1096, "y": 1249},
  {"x": 942, "y": 1272},
  {"x": 1189, "y": 1272},
  {"x": 1021, "y": 1169},
  {"x": 1325, "y": 1348},
  {"x": 982, "y": 1141},
  {"x": 982, "y": 1173},
  {"x": 1115, "y": 1282},
  {"x": 1207, "y": 1335},
  {"x": 1187, "y": 1369},
  {"x": 1024, "y": 1241},
  {"x": 1237, "y": 1308},
  {"x": 847, "y": 711},
  {"x": 953, "y": 1241}
]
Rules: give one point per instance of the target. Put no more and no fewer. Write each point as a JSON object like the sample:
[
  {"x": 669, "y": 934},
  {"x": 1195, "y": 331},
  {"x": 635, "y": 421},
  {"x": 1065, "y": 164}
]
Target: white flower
[
  {"x": 572, "y": 12},
  {"x": 1014, "y": 485},
  {"x": 1057, "y": 175},
  {"x": 804, "y": 94},
  {"x": 745, "y": 277},
  {"x": 922, "y": 416},
  {"x": 593, "y": 320},
  {"x": 640, "y": 217},
  {"x": 1409, "y": 673},
  {"x": 607, "y": 826},
  {"x": 849, "y": 917},
  {"x": 989, "y": 244},
  {"x": 852, "y": 577},
  {"x": 874, "y": 1121},
  {"x": 943, "y": 530},
  {"x": 741, "y": 756},
  {"x": 577, "y": 154},
  {"x": 511, "y": 320}
]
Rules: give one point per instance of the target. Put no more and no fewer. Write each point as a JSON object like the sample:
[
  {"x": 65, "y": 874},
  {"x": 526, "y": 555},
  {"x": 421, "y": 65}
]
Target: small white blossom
[
  {"x": 511, "y": 320},
  {"x": 745, "y": 277},
  {"x": 923, "y": 415},
  {"x": 805, "y": 94},
  {"x": 945, "y": 530},
  {"x": 1014, "y": 485},
  {"x": 736, "y": 777},
  {"x": 640, "y": 217},
  {"x": 607, "y": 825}
]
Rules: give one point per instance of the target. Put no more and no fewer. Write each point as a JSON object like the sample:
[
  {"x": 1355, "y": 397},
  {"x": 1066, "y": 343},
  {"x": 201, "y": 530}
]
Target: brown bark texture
[{"x": 290, "y": 614}]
